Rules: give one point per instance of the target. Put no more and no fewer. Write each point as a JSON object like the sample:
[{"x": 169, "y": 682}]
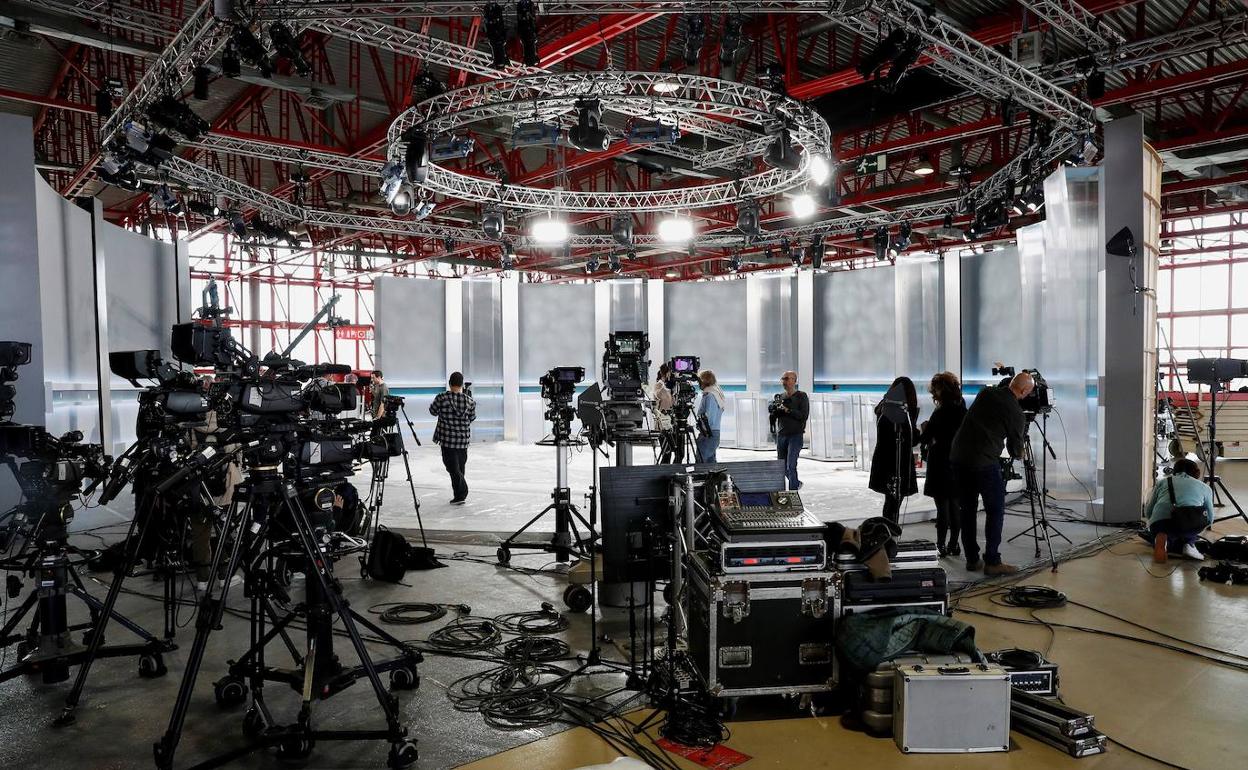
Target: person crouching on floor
[{"x": 1179, "y": 509}]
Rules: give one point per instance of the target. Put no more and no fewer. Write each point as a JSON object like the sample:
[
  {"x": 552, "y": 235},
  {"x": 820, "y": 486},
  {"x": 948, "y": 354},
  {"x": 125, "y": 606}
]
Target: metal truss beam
[
  {"x": 1076, "y": 22},
  {"x": 314, "y": 9}
]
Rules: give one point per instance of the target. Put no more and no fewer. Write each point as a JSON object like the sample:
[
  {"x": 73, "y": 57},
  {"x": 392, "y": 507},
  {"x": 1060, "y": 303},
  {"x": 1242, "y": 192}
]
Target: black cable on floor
[
  {"x": 1033, "y": 597},
  {"x": 544, "y": 621},
  {"x": 536, "y": 649},
  {"x": 467, "y": 634},
  {"x": 408, "y": 613}
]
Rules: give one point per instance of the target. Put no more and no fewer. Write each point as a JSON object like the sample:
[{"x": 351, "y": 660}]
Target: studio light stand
[
  {"x": 1041, "y": 528},
  {"x": 563, "y": 543},
  {"x": 1212, "y": 478}
]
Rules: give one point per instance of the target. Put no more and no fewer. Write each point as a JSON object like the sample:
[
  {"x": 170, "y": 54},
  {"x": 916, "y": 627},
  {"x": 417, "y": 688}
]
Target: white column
[
  {"x": 806, "y": 331},
  {"x": 602, "y": 313},
  {"x": 454, "y": 326},
  {"x": 753, "y": 333},
  {"x": 104, "y": 375},
  {"x": 951, "y": 285},
  {"x": 654, "y": 322},
  {"x": 511, "y": 356}
]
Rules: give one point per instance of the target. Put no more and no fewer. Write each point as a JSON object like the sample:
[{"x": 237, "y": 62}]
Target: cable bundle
[
  {"x": 536, "y": 649},
  {"x": 512, "y": 696},
  {"x": 466, "y": 634},
  {"x": 409, "y": 613},
  {"x": 543, "y": 621},
  {"x": 1034, "y": 597}
]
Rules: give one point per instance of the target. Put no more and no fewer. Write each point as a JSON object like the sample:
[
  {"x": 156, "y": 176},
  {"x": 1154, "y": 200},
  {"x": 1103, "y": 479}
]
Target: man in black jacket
[
  {"x": 455, "y": 411},
  {"x": 789, "y": 418},
  {"x": 994, "y": 420}
]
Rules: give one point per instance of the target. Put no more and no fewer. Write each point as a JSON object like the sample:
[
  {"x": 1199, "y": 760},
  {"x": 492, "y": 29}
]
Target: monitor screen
[{"x": 755, "y": 499}]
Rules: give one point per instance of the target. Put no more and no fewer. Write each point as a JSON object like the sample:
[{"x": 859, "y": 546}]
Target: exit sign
[
  {"x": 871, "y": 164},
  {"x": 354, "y": 333}
]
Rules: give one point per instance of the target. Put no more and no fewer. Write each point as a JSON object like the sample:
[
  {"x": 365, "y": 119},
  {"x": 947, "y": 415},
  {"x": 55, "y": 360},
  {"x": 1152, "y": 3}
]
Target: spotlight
[
  {"x": 591, "y": 264},
  {"x": 287, "y": 47},
  {"x": 1096, "y": 85},
  {"x": 786, "y": 249},
  {"x": 614, "y": 263},
  {"x": 780, "y": 154},
  {"x": 507, "y": 257},
  {"x": 883, "y": 52},
  {"x": 493, "y": 224},
  {"x": 423, "y": 208},
  {"x": 168, "y": 200},
  {"x": 815, "y": 252},
  {"x": 803, "y": 206},
  {"x": 860, "y": 233},
  {"x": 695, "y": 38},
  {"x": 103, "y": 104},
  {"x": 735, "y": 263},
  {"x": 427, "y": 86},
  {"x": 795, "y": 255},
  {"x": 200, "y": 88},
  {"x": 231, "y": 64},
  {"x": 902, "y": 241},
  {"x": 622, "y": 229},
  {"x": 748, "y": 220},
  {"x": 905, "y": 57},
  {"x": 671, "y": 273},
  {"x": 396, "y": 190},
  {"x": 771, "y": 77},
  {"x": 535, "y": 134},
  {"x": 1009, "y": 111},
  {"x": 881, "y": 242},
  {"x": 205, "y": 209},
  {"x": 451, "y": 147},
  {"x": 730, "y": 42},
  {"x": 948, "y": 222},
  {"x": 526, "y": 28},
  {"x": 167, "y": 112},
  {"x": 1034, "y": 199},
  {"x": 925, "y": 167},
  {"x": 416, "y": 156},
  {"x": 642, "y": 131},
  {"x": 588, "y": 134},
  {"x": 448, "y": 244},
  {"x": 252, "y": 50},
  {"x": 819, "y": 169},
  {"x": 496, "y": 32},
  {"x": 238, "y": 225},
  {"x": 549, "y": 231},
  {"x": 675, "y": 229},
  {"x": 667, "y": 85}
]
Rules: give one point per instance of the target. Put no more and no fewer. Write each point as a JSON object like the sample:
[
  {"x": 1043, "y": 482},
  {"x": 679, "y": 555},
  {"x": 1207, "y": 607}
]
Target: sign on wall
[{"x": 354, "y": 333}]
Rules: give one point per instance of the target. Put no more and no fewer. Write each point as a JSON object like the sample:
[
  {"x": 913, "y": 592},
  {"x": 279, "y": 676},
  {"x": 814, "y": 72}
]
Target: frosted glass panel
[
  {"x": 483, "y": 354},
  {"x": 556, "y": 328},
  {"x": 628, "y": 306},
  {"x": 990, "y": 302},
  {"x": 920, "y": 318},
  {"x": 855, "y": 317},
  {"x": 411, "y": 330},
  {"x": 777, "y": 329},
  {"x": 708, "y": 320}
]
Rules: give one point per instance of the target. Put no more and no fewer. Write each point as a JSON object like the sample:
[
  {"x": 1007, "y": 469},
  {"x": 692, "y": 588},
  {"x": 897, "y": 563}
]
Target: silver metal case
[{"x": 951, "y": 709}]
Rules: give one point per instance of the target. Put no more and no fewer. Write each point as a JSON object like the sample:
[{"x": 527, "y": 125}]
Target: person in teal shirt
[
  {"x": 710, "y": 414},
  {"x": 1166, "y": 535}
]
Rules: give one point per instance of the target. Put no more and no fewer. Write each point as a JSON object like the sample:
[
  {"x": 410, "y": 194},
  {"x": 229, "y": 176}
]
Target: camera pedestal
[{"x": 567, "y": 539}]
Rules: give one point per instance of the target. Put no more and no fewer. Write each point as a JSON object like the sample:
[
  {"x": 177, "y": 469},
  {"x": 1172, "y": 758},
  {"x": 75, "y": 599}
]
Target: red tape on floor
[{"x": 718, "y": 757}]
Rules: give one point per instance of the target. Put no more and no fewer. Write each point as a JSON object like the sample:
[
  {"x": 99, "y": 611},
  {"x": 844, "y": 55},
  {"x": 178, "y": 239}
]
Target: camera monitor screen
[{"x": 685, "y": 364}]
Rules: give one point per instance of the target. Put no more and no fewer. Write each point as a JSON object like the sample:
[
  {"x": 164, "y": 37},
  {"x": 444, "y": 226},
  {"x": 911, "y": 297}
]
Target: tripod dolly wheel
[
  {"x": 405, "y": 678},
  {"x": 294, "y": 748},
  {"x": 229, "y": 691},
  {"x": 254, "y": 724},
  {"x": 152, "y": 665},
  {"x": 403, "y": 754},
  {"x": 23, "y": 649},
  {"x": 504, "y": 555},
  {"x": 577, "y": 597}
]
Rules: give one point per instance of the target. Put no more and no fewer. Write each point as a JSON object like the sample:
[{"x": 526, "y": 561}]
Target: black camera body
[
  {"x": 12, "y": 355},
  {"x": 1215, "y": 371},
  {"x": 624, "y": 365},
  {"x": 558, "y": 388}
]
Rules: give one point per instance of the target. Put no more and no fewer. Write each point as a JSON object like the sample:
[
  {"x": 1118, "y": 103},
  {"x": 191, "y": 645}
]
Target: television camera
[
  {"x": 12, "y": 355},
  {"x": 558, "y": 388},
  {"x": 1040, "y": 400},
  {"x": 1215, "y": 372},
  {"x": 624, "y": 364}
]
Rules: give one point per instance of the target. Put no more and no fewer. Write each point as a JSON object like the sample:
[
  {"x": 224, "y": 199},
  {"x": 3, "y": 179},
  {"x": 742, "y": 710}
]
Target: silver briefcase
[{"x": 951, "y": 708}]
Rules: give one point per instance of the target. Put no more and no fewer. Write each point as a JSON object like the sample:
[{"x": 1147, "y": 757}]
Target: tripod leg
[{"x": 407, "y": 466}]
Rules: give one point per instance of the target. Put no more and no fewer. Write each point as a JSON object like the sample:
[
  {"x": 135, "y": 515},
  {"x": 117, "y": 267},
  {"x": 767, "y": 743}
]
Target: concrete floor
[{"x": 122, "y": 715}]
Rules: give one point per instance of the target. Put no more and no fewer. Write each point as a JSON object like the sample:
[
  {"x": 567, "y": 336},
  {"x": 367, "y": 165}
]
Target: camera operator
[
  {"x": 1179, "y": 509},
  {"x": 789, "y": 412},
  {"x": 378, "y": 390},
  {"x": 892, "y": 464},
  {"x": 455, "y": 411},
  {"x": 994, "y": 420},
  {"x": 660, "y": 395},
  {"x": 710, "y": 414}
]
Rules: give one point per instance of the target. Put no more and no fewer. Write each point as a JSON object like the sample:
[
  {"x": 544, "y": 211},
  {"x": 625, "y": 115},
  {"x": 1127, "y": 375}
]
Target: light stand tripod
[
  {"x": 381, "y": 472},
  {"x": 1040, "y": 526},
  {"x": 1212, "y": 479},
  {"x": 563, "y": 543}
]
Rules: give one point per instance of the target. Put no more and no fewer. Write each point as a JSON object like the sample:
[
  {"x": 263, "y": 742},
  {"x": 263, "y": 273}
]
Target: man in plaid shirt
[{"x": 455, "y": 411}]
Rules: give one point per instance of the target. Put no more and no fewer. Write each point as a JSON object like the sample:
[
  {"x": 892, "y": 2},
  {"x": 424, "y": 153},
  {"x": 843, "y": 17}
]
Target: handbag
[{"x": 1186, "y": 518}]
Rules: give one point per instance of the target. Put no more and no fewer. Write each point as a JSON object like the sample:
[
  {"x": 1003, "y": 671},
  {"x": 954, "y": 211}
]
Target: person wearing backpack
[{"x": 1180, "y": 508}]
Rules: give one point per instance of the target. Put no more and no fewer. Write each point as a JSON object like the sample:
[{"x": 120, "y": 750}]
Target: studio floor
[{"x": 1182, "y": 709}]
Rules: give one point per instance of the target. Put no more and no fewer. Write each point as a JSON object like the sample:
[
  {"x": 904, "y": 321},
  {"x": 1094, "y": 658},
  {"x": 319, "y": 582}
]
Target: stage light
[
  {"x": 668, "y": 85},
  {"x": 169, "y": 113},
  {"x": 622, "y": 229},
  {"x": 238, "y": 225},
  {"x": 803, "y": 205},
  {"x": 206, "y": 209},
  {"x": 199, "y": 89},
  {"x": 771, "y": 77},
  {"x": 252, "y": 50},
  {"x": 786, "y": 249},
  {"x": 883, "y": 52},
  {"x": 416, "y": 156},
  {"x": 780, "y": 154},
  {"x": 1096, "y": 85},
  {"x": 614, "y": 263},
  {"x": 671, "y": 273},
  {"x": 493, "y": 224},
  {"x": 549, "y": 231},
  {"x": 906, "y": 56},
  {"x": 168, "y": 200},
  {"x": 423, "y": 208},
  {"x": 427, "y": 86},
  {"x": 925, "y": 167},
  {"x": 695, "y": 38},
  {"x": 819, "y": 169},
  {"x": 591, "y": 264},
  {"x": 588, "y": 134},
  {"x": 730, "y": 42},
  {"x": 231, "y": 64},
  {"x": 287, "y": 47},
  {"x": 948, "y": 222},
  {"x": 642, "y": 131},
  {"x": 748, "y": 220},
  {"x": 496, "y": 32},
  {"x": 815, "y": 252},
  {"x": 103, "y": 104},
  {"x": 881, "y": 242},
  {"x": 1034, "y": 199},
  {"x": 535, "y": 134},
  {"x": 676, "y": 229},
  {"x": 735, "y": 263},
  {"x": 526, "y": 29},
  {"x": 452, "y": 147},
  {"x": 902, "y": 241}
]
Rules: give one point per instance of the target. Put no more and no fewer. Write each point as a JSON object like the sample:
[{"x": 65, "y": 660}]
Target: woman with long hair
[
  {"x": 936, "y": 437},
  {"x": 892, "y": 464}
]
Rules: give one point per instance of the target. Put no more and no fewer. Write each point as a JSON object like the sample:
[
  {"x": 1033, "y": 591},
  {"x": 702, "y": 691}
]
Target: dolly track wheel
[
  {"x": 152, "y": 665},
  {"x": 229, "y": 691},
  {"x": 403, "y": 754},
  {"x": 405, "y": 678},
  {"x": 294, "y": 748},
  {"x": 504, "y": 555},
  {"x": 577, "y": 598},
  {"x": 254, "y": 724}
]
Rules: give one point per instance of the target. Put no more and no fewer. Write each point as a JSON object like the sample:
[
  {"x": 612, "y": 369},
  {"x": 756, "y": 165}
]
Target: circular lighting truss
[{"x": 733, "y": 113}]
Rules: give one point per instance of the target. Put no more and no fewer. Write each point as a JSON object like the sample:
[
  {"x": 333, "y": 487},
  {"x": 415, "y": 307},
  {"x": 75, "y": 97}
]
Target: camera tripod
[
  {"x": 47, "y": 645},
  {"x": 1041, "y": 528},
  {"x": 381, "y": 472},
  {"x": 678, "y": 443},
  {"x": 564, "y": 543},
  {"x": 256, "y": 518},
  {"x": 1212, "y": 478}
]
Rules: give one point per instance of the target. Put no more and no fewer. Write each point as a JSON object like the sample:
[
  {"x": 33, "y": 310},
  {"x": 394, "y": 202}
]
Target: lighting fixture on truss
[
  {"x": 287, "y": 47},
  {"x": 169, "y": 113},
  {"x": 781, "y": 154},
  {"x": 416, "y": 156},
  {"x": 168, "y": 200},
  {"x": 695, "y": 38},
  {"x": 535, "y": 134},
  {"x": 643, "y": 131},
  {"x": 549, "y": 230},
  {"x": 675, "y": 229},
  {"x": 730, "y": 41},
  {"x": 902, "y": 240},
  {"x": 496, "y": 33},
  {"x": 881, "y": 242},
  {"x": 815, "y": 252},
  {"x": 588, "y": 134},
  {"x": 494, "y": 224},
  {"x": 526, "y": 29},
  {"x": 749, "y": 222},
  {"x": 614, "y": 263},
  {"x": 507, "y": 257},
  {"x": 818, "y": 168},
  {"x": 622, "y": 229},
  {"x": 251, "y": 50},
  {"x": 451, "y": 147}
]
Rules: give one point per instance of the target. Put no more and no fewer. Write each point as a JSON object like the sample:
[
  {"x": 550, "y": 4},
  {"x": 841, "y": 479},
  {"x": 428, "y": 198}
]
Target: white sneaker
[{"x": 1190, "y": 551}]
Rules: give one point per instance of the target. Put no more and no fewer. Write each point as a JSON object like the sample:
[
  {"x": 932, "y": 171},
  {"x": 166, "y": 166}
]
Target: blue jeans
[
  {"x": 707, "y": 447},
  {"x": 787, "y": 449},
  {"x": 972, "y": 484}
]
